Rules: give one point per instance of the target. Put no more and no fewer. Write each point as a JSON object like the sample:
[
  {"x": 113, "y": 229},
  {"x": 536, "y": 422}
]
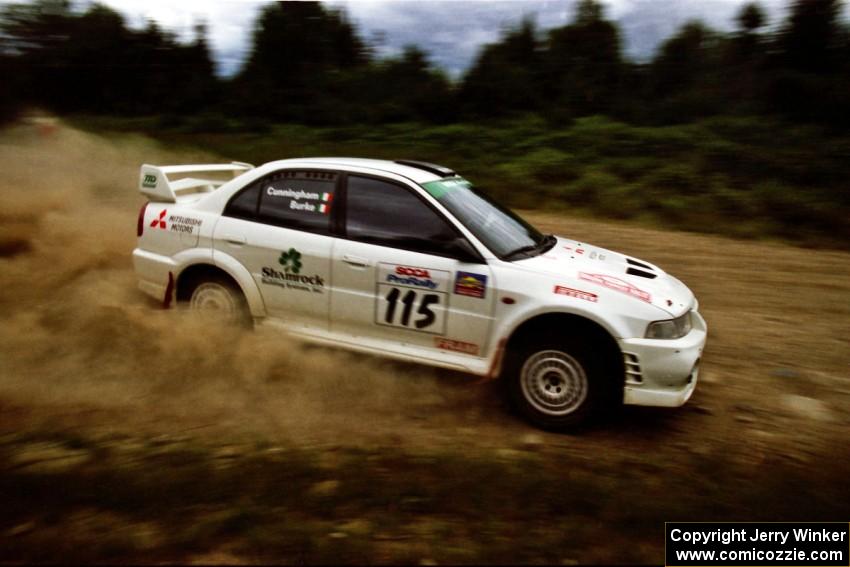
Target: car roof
[{"x": 415, "y": 174}]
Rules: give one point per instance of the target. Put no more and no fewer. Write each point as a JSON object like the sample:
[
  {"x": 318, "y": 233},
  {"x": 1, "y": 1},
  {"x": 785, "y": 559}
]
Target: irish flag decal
[{"x": 325, "y": 206}]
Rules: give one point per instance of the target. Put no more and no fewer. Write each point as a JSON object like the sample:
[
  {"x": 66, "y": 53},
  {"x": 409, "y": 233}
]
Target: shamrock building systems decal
[
  {"x": 291, "y": 261},
  {"x": 290, "y": 277}
]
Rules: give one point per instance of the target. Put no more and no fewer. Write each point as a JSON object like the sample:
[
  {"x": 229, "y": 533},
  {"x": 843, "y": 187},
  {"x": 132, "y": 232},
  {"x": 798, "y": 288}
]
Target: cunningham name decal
[{"x": 323, "y": 206}]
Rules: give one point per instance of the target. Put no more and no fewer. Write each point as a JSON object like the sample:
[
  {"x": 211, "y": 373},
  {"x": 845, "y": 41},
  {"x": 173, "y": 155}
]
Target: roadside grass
[
  {"x": 748, "y": 177},
  {"x": 174, "y": 500}
]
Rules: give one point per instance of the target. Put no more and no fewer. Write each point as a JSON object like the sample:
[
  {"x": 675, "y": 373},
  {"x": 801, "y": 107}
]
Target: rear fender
[{"x": 243, "y": 277}]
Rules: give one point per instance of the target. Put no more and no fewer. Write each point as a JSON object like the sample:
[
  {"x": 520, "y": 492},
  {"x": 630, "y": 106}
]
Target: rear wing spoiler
[{"x": 167, "y": 182}]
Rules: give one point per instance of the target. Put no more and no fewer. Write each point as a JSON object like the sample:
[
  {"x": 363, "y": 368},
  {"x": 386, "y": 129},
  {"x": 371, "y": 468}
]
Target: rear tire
[
  {"x": 220, "y": 301},
  {"x": 555, "y": 383}
]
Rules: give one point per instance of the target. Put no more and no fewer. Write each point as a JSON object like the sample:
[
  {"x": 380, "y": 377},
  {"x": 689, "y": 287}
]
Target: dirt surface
[{"x": 101, "y": 388}]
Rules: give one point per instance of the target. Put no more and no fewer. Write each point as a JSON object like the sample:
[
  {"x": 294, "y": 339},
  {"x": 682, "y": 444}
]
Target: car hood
[{"x": 592, "y": 268}]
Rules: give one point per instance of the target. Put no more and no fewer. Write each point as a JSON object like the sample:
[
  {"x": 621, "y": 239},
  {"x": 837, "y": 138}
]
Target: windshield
[{"x": 500, "y": 230}]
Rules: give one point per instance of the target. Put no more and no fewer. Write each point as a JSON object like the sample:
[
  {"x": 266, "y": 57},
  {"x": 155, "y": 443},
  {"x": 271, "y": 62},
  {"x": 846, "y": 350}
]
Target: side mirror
[{"x": 463, "y": 251}]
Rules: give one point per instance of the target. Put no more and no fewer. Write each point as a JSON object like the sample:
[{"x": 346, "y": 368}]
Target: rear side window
[
  {"x": 244, "y": 204},
  {"x": 387, "y": 214},
  {"x": 300, "y": 200}
]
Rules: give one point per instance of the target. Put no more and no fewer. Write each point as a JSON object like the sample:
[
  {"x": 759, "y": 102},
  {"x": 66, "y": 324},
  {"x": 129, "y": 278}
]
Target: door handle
[
  {"x": 355, "y": 261},
  {"x": 238, "y": 240}
]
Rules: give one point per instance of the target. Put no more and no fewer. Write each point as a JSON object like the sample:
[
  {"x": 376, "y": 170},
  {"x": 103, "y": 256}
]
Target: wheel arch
[
  {"x": 189, "y": 275},
  {"x": 546, "y": 324}
]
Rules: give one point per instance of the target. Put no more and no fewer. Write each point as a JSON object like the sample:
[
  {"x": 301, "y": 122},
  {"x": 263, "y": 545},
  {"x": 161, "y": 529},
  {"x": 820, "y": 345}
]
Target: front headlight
[{"x": 670, "y": 329}]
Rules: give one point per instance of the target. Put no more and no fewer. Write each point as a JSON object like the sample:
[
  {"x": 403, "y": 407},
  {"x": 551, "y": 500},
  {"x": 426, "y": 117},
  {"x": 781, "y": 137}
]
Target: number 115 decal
[{"x": 412, "y": 298}]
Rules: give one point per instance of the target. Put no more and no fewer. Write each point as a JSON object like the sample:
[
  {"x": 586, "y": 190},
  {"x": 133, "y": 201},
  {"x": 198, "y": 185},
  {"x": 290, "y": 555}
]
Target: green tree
[
  {"x": 685, "y": 76},
  {"x": 504, "y": 78},
  {"x": 91, "y": 61},
  {"x": 582, "y": 65},
  {"x": 750, "y": 18},
  {"x": 299, "y": 51},
  {"x": 744, "y": 60},
  {"x": 811, "y": 39},
  {"x": 416, "y": 89},
  {"x": 809, "y": 72}
]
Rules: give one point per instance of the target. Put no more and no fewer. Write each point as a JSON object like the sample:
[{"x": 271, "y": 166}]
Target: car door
[
  {"x": 404, "y": 276},
  {"x": 279, "y": 229}
]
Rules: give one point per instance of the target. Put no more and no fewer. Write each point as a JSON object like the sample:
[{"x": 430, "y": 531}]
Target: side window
[
  {"x": 298, "y": 199},
  {"x": 383, "y": 213},
  {"x": 244, "y": 204}
]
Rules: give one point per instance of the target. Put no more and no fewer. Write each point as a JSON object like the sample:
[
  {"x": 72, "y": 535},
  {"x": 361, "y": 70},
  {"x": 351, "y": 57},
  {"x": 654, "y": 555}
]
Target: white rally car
[{"x": 406, "y": 259}]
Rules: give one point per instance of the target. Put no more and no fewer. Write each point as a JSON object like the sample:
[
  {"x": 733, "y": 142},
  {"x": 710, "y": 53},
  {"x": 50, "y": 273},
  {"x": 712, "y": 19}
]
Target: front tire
[
  {"x": 554, "y": 383},
  {"x": 220, "y": 301}
]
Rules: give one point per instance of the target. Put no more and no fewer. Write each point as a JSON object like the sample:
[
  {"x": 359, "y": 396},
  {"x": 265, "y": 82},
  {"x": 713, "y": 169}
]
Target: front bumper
[{"x": 663, "y": 373}]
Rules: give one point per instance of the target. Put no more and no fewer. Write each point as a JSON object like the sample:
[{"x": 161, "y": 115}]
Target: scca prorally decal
[
  {"x": 577, "y": 293},
  {"x": 612, "y": 282},
  {"x": 414, "y": 298},
  {"x": 456, "y": 346},
  {"x": 471, "y": 285},
  {"x": 149, "y": 180},
  {"x": 291, "y": 277},
  {"x": 412, "y": 276},
  {"x": 416, "y": 277}
]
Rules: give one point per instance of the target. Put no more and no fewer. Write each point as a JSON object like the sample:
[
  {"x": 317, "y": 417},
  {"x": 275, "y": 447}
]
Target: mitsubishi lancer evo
[{"x": 408, "y": 260}]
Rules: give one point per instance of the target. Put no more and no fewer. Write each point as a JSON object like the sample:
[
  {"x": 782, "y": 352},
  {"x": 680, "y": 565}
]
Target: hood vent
[
  {"x": 641, "y": 273},
  {"x": 638, "y": 264}
]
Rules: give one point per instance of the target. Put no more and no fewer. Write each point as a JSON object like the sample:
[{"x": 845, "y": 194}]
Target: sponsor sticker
[
  {"x": 612, "y": 282},
  {"x": 149, "y": 180},
  {"x": 471, "y": 285},
  {"x": 183, "y": 224},
  {"x": 176, "y": 223},
  {"x": 290, "y": 260},
  {"x": 456, "y": 346},
  {"x": 412, "y": 276},
  {"x": 412, "y": 297},
  {"x": 415, "y": 277},
  {"x": 291, "y": 276},
  {"x": 577, "y": 293},
  {"x": 159, "y": 222}
]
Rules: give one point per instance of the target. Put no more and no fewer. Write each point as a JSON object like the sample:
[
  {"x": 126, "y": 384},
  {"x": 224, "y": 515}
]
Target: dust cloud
[{"x": 78, "y": 341}]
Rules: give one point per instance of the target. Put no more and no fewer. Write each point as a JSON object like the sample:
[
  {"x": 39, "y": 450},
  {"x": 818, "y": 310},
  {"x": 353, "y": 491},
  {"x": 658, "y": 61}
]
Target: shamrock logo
[{"x": 291, "y": 261}]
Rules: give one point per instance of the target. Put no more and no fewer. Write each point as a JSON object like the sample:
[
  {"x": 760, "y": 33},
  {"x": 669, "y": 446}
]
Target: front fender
[{"x": 509, "y": 325}]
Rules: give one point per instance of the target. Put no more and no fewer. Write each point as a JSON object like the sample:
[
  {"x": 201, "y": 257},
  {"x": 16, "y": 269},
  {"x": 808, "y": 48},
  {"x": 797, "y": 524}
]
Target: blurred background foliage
[{"x": 744, "y": 133}]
